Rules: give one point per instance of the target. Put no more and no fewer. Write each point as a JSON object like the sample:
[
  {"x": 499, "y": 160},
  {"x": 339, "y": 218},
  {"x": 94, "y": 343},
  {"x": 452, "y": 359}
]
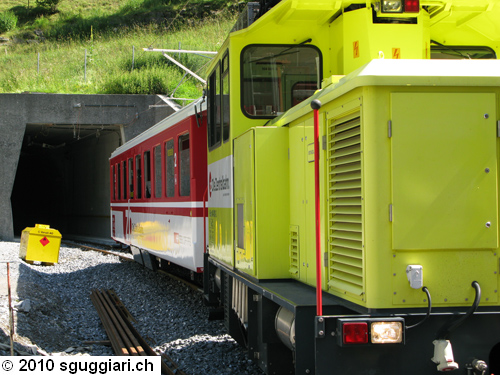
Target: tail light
[
  {"x": 356, "y": 331},
  {"x": 412, "y": 6}
]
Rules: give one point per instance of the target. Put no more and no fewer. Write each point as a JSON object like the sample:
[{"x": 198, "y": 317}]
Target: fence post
[
  {"x": 85, "y": 72},
  {"x": 133, "y": 57}
]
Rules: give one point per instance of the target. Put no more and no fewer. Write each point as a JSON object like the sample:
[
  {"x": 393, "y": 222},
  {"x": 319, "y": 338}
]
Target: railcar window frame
[
  {"x": 113, "y": 174},
  {"x": 169, "y": 169},
  {"x": 248, "y": 80},
  {"x": 138, "y": 175},
  {"x": 158, "y": 178},
  {"x": 147, "y": 174},
  {"x": 184, "y": 171},
  {"x": 118, "y": 181},
  {"x": 124, "y": 180},
  {"x": 131, "y": 179}
]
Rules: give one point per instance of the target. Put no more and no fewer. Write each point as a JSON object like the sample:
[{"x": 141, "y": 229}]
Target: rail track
[
  {"x": 188, "y": 283},
  {"x": 124, "y": 338}
]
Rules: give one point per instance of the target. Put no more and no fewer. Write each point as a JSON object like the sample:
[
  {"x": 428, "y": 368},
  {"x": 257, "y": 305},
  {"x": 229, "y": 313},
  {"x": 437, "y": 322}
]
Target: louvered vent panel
[
  {"x": 345, "y": 228},
  {"x": 294, "y": 250}
]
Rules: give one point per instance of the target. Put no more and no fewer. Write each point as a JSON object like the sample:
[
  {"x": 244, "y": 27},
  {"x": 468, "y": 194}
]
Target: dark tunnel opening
[{"x": 62, "y": 179}]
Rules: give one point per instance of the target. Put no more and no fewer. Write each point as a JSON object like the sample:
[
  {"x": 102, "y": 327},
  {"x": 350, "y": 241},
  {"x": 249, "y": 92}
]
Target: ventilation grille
[
  {"x": 345, "y": 245},
  {"x": 294, "y": 250}
]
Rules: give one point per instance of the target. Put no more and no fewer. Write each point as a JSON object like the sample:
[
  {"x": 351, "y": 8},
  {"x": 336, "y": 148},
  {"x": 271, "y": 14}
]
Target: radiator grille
[{"x": 345, "y": 235}]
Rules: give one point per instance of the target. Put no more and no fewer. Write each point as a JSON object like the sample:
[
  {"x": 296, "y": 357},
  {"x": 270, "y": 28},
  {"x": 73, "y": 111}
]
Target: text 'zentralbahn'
[{"x": 349, "y": 154}]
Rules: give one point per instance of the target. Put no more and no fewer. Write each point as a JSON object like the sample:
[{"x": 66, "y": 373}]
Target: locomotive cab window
[
  {"x": 276, "y": 77},
  {"x": 214, "y": 109},
  {"x": 225, "y": 97},
  {"x": 218, "y": 104},
  {"x": 440, "y": 51}
]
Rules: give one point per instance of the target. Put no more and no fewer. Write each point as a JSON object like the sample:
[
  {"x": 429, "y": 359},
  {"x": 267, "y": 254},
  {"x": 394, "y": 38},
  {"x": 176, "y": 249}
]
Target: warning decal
[
  {"x": 396, "y": 53},
  {"x": 44, "y": 241},
  {"x": 355, "y": 47}
]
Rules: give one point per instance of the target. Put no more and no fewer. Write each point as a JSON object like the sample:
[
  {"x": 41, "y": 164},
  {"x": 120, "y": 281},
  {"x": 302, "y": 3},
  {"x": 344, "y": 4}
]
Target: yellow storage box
[{"x": 40, "y": 243}]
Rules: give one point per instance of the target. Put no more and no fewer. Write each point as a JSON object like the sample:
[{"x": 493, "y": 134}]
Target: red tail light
[
  {"x": 355, "y": 333},
  {"x": 412, "y": 6}
]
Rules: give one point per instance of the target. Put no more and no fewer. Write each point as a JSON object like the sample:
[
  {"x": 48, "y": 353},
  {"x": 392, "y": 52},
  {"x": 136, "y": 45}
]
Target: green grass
[{"x": 116, "y": 28}]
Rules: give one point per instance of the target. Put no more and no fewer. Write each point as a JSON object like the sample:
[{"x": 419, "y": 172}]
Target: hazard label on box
[{"x": 44, "y": 241}]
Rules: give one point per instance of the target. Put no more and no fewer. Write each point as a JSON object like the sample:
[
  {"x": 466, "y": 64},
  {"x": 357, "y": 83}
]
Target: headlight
[
  {"x": 386, "y": 332},
  {"x": 392, "y": 6}
]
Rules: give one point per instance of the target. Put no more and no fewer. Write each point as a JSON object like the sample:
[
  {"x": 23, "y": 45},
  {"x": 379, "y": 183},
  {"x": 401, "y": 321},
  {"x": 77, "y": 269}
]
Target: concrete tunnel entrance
[
  {"x": 54, "y": 158},
  {"x": 62, "y": 178}
]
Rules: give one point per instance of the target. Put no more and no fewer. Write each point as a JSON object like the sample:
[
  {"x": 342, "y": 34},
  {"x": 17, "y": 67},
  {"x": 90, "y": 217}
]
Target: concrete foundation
[{"x": 54, "y": 158}]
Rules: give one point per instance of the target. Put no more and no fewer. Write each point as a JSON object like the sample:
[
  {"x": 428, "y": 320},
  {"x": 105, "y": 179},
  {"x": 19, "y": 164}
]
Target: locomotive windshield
[
  {"x": 440, "y": 51},
  {"x": 275, "y": 78}
]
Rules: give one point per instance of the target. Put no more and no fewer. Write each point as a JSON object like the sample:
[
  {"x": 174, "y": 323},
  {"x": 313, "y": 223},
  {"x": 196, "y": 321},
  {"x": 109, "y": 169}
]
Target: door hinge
[
  {"x": 498, "y": 128},
  {"x": 323, "y": 139},
  {"x": 325, "y": 259},
  {"x": 390, "y": 212},
  {"x": 389, "y": 128}
]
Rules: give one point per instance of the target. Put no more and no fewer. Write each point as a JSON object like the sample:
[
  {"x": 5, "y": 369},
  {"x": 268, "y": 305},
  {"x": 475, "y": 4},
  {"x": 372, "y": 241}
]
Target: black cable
[
  {"x": 429, "y": 304},
  {"x": 451, "y": 326}
]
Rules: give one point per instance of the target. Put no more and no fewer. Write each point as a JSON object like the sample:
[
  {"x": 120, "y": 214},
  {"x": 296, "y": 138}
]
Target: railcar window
[
  {"x": 269, "y": 74},
  {"x": 114, "y": 181},
  {"x": 147, "y": 174},
  {"x": 214, "y": 109},
  {"x": 170, "y": 164},
  {"x": 118, "y": 179},
  {"x": 225, "y": 98},
  {"x": 158, "y": 180},
  {"x": 185, "y": 168},
  {"x": 131, "y": 178},
  {"x": 124, "y": 180},
  {"x": 138, "y": 175}
]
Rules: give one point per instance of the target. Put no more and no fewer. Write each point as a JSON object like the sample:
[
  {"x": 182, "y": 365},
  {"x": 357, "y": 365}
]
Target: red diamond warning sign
[{"x": 44, "y": 241}]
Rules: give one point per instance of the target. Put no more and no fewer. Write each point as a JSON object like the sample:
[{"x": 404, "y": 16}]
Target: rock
[{"x": 23, "y": 306}]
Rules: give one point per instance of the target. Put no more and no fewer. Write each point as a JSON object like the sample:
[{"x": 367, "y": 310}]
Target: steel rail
[
  {"x": 123, "y": 337},
  {"x": 75, "y": 245},
  {"x": 11, "y": 313},
  {"x": 118, "y": 328},
  {"x": 116, "y": 343},
  {"x": 119, "y": 318}
]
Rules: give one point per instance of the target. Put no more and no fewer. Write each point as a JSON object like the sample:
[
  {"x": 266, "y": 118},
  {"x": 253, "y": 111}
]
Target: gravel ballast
[{"x": 60, "y": 316}]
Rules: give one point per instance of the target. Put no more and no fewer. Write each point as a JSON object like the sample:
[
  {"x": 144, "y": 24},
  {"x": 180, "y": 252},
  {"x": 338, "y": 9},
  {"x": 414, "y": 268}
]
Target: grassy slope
[{"x": 116, "y": 28}]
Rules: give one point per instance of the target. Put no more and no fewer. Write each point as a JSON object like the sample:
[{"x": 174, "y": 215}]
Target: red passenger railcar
[{"x": 158, "y": 181}]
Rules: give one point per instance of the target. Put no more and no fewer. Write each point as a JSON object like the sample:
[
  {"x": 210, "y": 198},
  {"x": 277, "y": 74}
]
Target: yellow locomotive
[{"x": 403, "y": 231}]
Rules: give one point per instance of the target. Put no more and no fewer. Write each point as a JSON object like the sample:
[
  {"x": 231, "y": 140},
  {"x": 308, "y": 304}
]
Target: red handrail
[
  {"x": 205, "y": 220},
  {"x": 316, "y": 105}
]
